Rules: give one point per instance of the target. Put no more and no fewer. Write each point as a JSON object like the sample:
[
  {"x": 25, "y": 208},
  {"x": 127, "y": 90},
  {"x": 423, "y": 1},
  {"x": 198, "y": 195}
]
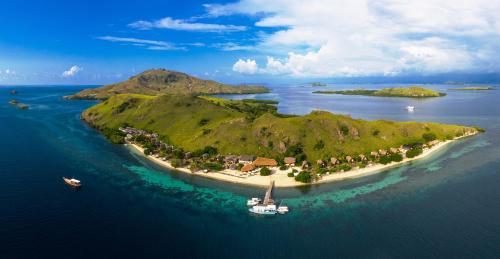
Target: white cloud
[
  {"x": 373, "y": 37},
  {"x": 72, "y": 71},
  {"x": 248, "y": 66},
  {"x": 10, "y": 72},
  {"x": 149, "y": 44},
  {"x": 183, "y": 25}
]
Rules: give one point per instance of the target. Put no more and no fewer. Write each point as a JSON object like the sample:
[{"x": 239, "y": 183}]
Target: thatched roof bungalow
[
  {"x": 262, "y": 161},
  {"x": 334, "y": 160},
  {"x": 289, "y": 161},
  {"x": 247, "y": 168}
]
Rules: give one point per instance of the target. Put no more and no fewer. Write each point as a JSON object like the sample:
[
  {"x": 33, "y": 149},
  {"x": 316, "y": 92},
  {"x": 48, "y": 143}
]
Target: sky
[{"x": 100, "y": 42}]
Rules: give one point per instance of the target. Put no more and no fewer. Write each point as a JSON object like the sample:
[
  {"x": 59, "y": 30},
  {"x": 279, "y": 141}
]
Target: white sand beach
[{"x": 280, "y": 177}]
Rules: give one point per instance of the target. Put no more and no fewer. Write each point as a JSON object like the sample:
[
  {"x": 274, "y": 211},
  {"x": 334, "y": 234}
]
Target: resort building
[
  {"x": 349, "y": 159},
  {"x": 394, "y": 150},
  {"x": 231, "y": 159},
  {"x": 245, "y": 159},
  {"x": 374, "y": 154},
  {"x": 382, "y": 152},
  {"x": 289, "y": 161},
  {"x": 334, "y": 161},
  {"x": 362, "y": 157},
  {"x": 262, "y": 161},
  {"x": 247, "y": 168}
]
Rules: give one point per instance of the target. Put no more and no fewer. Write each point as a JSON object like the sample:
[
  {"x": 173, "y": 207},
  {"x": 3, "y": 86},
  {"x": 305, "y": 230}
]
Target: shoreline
[{"x": 280, "y": 177}]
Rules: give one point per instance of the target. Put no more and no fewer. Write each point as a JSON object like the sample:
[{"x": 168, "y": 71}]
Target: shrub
[
  {"x": 203, "y": 122},
  {"x": 239, "y": 166},
  {"x": 264, "y": 171},
  {"x": 290, "y": 174},
  {"x": 319, "y": 145},
  {"x": 147, "y": 151},
  {"x": 213, "y": 166},
  {"x": 304, "y": 177},
  {"x": 283, "y": 167},
  {"x": 429, "y": 136},
  {"x": 176, "y": 162},
  {"x": 375, "y": 132},
  {"x": 396, "y": 157},
  {"x": 414, "y": 152},
  {"x": 344, "y": 129},
  {"x": 385, "y": 160}
]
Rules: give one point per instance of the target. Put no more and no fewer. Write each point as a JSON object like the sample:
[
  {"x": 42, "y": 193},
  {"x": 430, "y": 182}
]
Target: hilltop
[
  {"x": 161, "y": 81},
  {"x": 410, "y": 92},
  {"x": 194, "y": 123}
]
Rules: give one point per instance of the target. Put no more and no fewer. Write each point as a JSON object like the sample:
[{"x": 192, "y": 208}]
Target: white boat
[
  {"x": 253, "y": 201},
  {"x": 264, "y": 209},
  {"x": 410, "y": 108},
  {"x": 282, "y": 209},
  {"x": 72, "y": 182}
]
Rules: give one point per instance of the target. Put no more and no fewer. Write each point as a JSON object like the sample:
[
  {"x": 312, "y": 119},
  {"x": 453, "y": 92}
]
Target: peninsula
[
  {"x": 409, "y": 92},
  {"x": 248, "y": 141},
  {"x": 473, "y": 88}
]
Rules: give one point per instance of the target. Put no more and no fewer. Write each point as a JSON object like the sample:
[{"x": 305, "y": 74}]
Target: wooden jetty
[{"x": 268, "y": 197}]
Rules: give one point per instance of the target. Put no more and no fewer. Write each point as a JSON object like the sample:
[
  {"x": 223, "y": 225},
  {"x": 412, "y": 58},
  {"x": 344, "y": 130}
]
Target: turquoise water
[{"x": 442, "y": 206}]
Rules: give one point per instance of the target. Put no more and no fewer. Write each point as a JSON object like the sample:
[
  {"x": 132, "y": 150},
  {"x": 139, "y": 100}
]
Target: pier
[{"x": 268, "y": 197}]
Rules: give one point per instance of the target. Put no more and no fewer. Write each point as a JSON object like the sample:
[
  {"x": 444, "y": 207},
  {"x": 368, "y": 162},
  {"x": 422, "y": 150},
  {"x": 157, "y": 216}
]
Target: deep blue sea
[{"x": 445, "y": 206}]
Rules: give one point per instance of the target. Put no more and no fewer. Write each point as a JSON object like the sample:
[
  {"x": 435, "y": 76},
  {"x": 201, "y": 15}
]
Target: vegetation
[
  {"x": 264, "y": 171},
  {"x": 304, "y": 177},
  {"x": 228, "y": 129},
  {"x": 290, "y": 174},
  {"x": 429, "y": 136},
  {"x": 414, "y": 152},
  {"x": 411, "y": 92},
  {"x": 160, "y": 81}
]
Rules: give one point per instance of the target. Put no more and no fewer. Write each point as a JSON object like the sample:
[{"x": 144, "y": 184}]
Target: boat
[
  {"x": 72, "y": 182},
  {"x": 410, "y": 108},
  {"x": 253, "y": 201},
  {"x": 264, "y": 209},
  {"x": 282, "y": 209}
]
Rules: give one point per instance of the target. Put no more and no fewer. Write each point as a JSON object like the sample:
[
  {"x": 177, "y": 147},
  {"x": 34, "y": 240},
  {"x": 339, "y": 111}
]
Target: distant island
[
  {"x": 317, "y": 84},
  {"x": 161, "y": 81},
  {"x": 19, "y": 105},
  {"x": 473, "y": 88},
  {"x": 248, "y": 141},
  {"x": 409, "y": 92}
]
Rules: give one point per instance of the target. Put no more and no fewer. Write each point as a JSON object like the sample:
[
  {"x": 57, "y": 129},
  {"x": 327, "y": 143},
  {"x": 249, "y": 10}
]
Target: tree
[
  {"x": 396, "y": 157},
  {"x": 304, "y": 177},
  {"x": 429, "y": 136},
  {"x": 414, "y": 152},
  {"x": 176, "y": 162},
  {"x": 290, "y": 175},
  {"x": 319, "y": 145},
  {"x": 264, "y": 171}
]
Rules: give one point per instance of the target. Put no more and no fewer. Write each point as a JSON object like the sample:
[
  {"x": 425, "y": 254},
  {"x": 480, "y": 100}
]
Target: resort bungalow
[
  {"x": 289, "y": 161},
  {"x": 231, "y": 159},
  {"x": 349, "y": 159},
  {"x": 247, "y": 168},
  {"x": 205, "y": 156},
  {"x": 374, "y": 154},
  {"x": 245, "y": 159},
  {"x": 334, "y": 161},
  {"x": 362, "y": 157},
  {"x": 320, "y": 162},
  {"x": 264, "y": 162},
  {"x": 394, "y": 150},
  {"x": 382, "y": 152}
]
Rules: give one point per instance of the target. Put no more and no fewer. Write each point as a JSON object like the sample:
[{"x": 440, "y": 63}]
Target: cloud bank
[
  {"x": 183, "y": 25},
  {"x": 328, "y": 38}
]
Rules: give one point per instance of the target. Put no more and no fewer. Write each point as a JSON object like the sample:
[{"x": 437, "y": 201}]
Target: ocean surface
[{"x": 445, "y": 206}]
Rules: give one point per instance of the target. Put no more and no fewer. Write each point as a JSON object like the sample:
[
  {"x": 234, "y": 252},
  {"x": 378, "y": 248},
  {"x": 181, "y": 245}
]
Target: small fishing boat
[
  {"x": 72, "y": 182},
  {"x": 253, "y": 201},
  {"x": 264, "y": 209},
  {"x": 410, "y": 108}
]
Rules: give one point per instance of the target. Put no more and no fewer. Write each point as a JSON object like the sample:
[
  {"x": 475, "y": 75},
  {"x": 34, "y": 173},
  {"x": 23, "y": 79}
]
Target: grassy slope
[
  {"x": 413, "y": 92},
  {"x": 160, "y": 81},
  {"x": 232, "y": 132}
]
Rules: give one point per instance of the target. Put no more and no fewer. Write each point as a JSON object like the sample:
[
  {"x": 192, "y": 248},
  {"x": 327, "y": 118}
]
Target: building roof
[
  {"x": 289, "y": 160},
  {"x": 262, "y": 161},
  {"x": 246, "y": 158},
  {"x": 247, "y": 168},
  {"x": 333, "y": 160}
]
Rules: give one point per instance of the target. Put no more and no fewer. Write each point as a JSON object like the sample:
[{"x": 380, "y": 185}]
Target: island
[
  {"x": 473, "y": 88},
  {"x": 19, "y": 105},
  {"x": 249, "y": 142},
  {"x": 409, "y": 92},
  {"x": 161, "y": 81}
]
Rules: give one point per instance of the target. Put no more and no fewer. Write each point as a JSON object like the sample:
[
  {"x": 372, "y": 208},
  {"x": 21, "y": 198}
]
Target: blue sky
[{"x": 97, "y": 42}]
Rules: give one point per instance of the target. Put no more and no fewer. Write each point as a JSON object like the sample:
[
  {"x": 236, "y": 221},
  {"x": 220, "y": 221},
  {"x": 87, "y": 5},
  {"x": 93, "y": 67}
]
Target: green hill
[
  {"x": 248, "y": 127},
  {"x": 161, "y": 81},
  {"x": 411, "y": 92}
]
